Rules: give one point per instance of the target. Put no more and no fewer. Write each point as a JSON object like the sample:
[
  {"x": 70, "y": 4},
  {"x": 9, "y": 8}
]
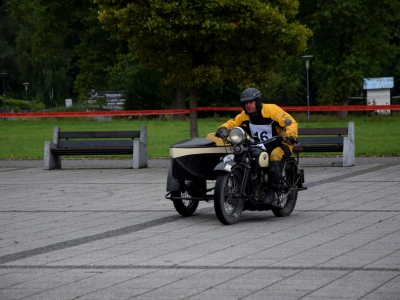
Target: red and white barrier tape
[{"x": 188, "y": 111}]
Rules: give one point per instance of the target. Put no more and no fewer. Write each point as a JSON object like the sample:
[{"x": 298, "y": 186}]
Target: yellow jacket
[{"x": 270, "y": 113}]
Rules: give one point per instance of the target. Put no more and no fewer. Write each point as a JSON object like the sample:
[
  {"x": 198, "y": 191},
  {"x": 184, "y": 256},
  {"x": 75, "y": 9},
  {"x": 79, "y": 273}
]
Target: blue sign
[{"x": 378, "y": 83}]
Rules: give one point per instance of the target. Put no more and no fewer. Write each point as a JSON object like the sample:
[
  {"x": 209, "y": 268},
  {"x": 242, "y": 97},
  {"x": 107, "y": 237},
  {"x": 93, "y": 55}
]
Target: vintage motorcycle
[{"x": 240, "y": 167}]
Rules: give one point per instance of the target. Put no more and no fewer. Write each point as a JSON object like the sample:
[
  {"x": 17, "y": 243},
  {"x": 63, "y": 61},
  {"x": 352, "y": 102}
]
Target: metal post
[
  {"x": 307, "y": 58},
  {"x": 26, "y": 95},
  {"x": 4, "y": 74},
  {"x": 308, "y": 92},
  {"x": 26, "y": 100}
]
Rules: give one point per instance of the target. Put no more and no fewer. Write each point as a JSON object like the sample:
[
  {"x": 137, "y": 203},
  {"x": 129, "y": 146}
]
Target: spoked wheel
[
  {"x": 288, "y": 195},
  {"x": 228, "y": 203},
  {"x": 184, "y": 207}
]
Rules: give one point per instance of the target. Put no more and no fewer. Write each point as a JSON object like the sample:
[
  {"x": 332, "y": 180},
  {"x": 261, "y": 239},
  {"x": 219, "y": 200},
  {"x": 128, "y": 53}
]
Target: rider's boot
[
  {"x": 271, "y": 197},
  {"x": 274, "y": 183}
]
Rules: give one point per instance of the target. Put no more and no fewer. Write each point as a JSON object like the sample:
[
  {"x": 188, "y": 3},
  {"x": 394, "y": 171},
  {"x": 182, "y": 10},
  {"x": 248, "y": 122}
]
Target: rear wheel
[
  {"x": 228, "y": 203},
  {"x": 288, "y": 195}
]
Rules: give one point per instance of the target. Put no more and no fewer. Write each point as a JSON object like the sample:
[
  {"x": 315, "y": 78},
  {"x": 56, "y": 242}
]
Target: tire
[
  {"x": 185, "y": 208},
  {"x": 228, "y": 203},
  {"x": 288, "y": 195}
]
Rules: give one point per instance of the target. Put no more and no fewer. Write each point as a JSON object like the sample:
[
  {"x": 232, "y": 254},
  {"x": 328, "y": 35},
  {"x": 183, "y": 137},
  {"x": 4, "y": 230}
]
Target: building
[{"x": 378, "y": 92}]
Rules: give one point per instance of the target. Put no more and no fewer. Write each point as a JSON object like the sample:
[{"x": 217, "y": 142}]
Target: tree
[
  {"x": 8, "y": 63},
  {"x": 145, "y": 88},
  {"x": 203, "y": 41},
  {"x": 98, "y": 54},
  {"x": 286, "y": 87},
  {"x": 220, "y": 93},
  {"x": 352, "y": 40},
  {"x": 42, "y": 54}
]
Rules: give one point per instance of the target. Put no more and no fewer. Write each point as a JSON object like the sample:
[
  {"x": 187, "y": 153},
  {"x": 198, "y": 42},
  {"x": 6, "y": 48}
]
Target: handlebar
[{"x": 270, "y": 140}]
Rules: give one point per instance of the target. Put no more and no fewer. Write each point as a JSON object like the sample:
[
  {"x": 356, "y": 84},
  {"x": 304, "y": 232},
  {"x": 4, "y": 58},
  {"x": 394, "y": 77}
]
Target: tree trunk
[
  {"x": 194, "y": 132},
  {"x": 341, "y": 113},
  {"x": 179, "y": 102}
]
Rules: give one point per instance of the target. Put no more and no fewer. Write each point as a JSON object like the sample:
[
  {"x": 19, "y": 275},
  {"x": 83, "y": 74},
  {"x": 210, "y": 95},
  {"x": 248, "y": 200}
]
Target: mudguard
[
  {"x": 225, "y": 166},
  {"x": 172, "y": 183}
]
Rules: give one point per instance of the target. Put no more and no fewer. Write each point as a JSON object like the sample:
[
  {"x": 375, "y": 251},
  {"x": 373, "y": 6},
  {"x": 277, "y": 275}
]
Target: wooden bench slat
[
  {"x": 320, "y": 140},
  {"x": 92, "y": 151},
  {"x": 94, "y": 143},
  {"x": 98, "y": 134},
  {"x": 297, "y": 148},
  {"x": 323, "y": 131},
  {"x": 322, "y": 148}
]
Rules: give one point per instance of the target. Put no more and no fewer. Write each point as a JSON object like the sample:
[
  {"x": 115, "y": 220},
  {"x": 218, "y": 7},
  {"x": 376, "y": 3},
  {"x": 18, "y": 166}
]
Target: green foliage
[
  {"x": 145, "y": 89},
  {"x": 198, "y": 42},
  {"x": 286, "y": 87},
  {"x": 16, "y": 105},
  {"x": 22, "y": 105},
  {"x": 220, "y": 93},
  {"x": 352, "y": 40},
  {"x": 217, "y": 46},
  {"x": 43, "y": 57},
  {"x": 8, "y": 29},
  {"x": 97, "y": 55}
]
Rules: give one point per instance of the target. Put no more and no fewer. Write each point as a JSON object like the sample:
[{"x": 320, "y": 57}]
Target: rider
[{"x": 262, "y": 121}]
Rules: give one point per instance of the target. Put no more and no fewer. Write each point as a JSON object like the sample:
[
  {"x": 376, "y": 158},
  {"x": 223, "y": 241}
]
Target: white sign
[{"x": 68, "y": 102}]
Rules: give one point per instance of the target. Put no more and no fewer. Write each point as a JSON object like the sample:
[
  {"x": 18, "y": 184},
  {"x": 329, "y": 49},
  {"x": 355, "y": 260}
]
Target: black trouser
[{"x": 277, "y": 160}]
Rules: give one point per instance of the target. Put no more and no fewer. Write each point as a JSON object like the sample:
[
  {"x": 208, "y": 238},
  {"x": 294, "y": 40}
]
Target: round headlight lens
[{"x": 237, "y": 135}]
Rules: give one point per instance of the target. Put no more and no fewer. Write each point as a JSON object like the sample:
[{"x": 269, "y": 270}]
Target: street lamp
[
  {"x": 26, "y": 95},
  {"x": 4, "y": 75},
  {"x": 307, "y": 59}
]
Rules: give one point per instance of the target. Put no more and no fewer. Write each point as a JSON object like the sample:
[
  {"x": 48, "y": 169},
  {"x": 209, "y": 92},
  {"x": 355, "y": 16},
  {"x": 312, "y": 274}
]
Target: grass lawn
[{"x": 24, "y": 138}]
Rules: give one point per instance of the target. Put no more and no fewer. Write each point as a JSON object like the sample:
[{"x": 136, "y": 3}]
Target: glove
[
  {"x": 289, "y": 140},
  {"x": 222, "y": 132}
]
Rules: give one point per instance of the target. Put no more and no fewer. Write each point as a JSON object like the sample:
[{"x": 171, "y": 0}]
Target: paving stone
[{"x": 98, "y": 229}]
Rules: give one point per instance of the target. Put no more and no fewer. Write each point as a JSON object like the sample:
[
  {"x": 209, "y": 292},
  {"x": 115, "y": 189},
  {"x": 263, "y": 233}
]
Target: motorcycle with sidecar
[{"x": 239, "y": 167}]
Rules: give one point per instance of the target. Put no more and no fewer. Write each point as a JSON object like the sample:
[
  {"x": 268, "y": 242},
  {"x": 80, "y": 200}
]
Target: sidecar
[
  {"x": 192, "y": 164},
  {"x": 194, "y": 159}
]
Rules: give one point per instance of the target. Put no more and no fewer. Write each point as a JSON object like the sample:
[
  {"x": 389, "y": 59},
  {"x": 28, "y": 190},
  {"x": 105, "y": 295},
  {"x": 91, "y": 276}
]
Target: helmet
[{"x": 251, "y": 94}]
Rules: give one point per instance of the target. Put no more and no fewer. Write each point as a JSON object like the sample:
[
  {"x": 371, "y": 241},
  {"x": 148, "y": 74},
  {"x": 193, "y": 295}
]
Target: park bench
[
  {"x": 96, "y": 143},
  {"x": 340, "y": 139}
]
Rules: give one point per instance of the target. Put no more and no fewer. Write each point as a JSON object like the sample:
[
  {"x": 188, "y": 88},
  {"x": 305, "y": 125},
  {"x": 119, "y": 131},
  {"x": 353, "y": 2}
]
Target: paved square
[{"x": 98, "y": 229}]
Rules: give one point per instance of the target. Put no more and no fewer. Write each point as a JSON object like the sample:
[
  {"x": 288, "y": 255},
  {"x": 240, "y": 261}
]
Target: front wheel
[
  {"x": 185, "y": 208},
  {"x": 288, "y": 195},
  {"x": 228, "y": 203}
]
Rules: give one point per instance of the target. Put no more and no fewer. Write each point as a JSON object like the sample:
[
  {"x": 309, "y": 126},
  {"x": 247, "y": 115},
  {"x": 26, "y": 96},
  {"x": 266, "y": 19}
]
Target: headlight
[
  {"x": 228, "y": 158},
  {"x": 237, "y": 135}
]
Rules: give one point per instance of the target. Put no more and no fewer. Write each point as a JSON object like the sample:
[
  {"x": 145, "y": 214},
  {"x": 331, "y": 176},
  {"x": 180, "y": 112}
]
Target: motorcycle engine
[{"x": 258, "y": 183}]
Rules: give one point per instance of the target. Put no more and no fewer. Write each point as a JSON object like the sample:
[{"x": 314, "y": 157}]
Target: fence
[{"x": 187, "y": 111}]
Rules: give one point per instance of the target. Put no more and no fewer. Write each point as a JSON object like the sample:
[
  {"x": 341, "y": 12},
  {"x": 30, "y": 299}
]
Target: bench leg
[
  {"x": 349, "y": 148},
  {"x": 50, "y": 160},
  {"x": 140, "y": 149},
  {"x": 139, "y": 155}
]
